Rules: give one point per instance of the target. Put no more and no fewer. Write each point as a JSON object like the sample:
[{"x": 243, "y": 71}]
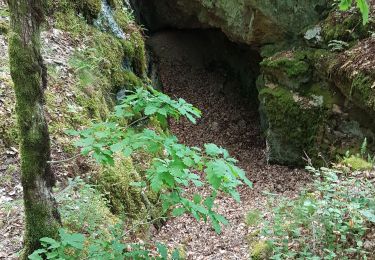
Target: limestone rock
[{"x": 247, "y": 21}]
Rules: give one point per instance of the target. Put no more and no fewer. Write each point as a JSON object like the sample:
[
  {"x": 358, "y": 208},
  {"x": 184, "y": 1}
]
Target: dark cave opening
[
  {"x": 219, "y": 77},
  {"x": 211, "y": 50}
]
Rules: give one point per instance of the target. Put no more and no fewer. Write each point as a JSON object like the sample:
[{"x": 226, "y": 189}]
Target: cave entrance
[{"x": 217, "y": 76}]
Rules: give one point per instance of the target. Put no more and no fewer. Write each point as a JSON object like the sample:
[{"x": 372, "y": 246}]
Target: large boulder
[{"x": 247, "y": 21}]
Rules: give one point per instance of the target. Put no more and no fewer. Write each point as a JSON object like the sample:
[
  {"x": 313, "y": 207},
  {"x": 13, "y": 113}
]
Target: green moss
[
  {"x": 260, "y": 250},
  {"x": 292, "y": 67},
  {"x": 345, "y": 27},
  {"x": 115, "y": 182},
  {"x": 135, "y": 54},
  {"x": 323, "y": 90},
  {"x": 79, "y": 195},
  {"x": 292, "y": 70},
  {"x": 131, "y": 80},
  {"x": 89, "y": 8},
  {"x": 357, "y": 163},
  {"x": 4, "y": 27},
  {"x": 293, "y": 122},
  {"x": 252, "y": 217},
  {"x": 362, "y": 90}
]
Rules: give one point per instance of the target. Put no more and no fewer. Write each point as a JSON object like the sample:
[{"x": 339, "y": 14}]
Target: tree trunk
[{"x": 30, "y": 80}]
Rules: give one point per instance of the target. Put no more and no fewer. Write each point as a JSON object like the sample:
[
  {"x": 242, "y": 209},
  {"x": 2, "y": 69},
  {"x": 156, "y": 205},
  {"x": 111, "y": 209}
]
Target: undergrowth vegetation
[
  {"x": 91, "y": 231},
  {"x": 174, "y": 165},
  {"x": 332, "y": 219}
]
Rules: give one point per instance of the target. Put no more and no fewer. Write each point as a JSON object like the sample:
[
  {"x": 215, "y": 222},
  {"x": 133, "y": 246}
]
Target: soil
[{"x": 231, "y": 121}]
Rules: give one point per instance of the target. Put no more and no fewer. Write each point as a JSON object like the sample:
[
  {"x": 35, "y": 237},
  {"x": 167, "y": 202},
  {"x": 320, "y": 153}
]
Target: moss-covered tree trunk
[{"x": 29, "y": 77}]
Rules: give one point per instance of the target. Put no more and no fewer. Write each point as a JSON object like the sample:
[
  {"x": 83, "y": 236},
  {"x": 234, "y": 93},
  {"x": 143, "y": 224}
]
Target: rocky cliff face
[
  {"x": 314, "y": 102},
  {"x": 248, "y": 21}
]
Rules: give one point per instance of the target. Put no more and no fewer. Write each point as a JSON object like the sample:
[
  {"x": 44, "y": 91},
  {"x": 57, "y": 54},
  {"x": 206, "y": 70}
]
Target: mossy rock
[
  {"x": 93, "y": 213},
  {"x": 345, "y": 26},
  {"x": 260, "y": 250},
  {"x": 358, "y": 164},
  {"x": 89, "y": 8},
  {"x": 293, "y": 123},
  {"x": 115, "y": 181},
  {"x": 289, "y": 69},
  {"x": 4, "y": 27}
]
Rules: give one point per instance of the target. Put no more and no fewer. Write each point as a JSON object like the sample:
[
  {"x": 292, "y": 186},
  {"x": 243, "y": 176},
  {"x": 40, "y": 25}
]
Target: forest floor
[{"x": 228, "y": 120}]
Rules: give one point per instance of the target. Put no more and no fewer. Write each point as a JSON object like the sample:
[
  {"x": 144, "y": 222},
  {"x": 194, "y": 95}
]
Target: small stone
[
  {"x": 215, "y": 126},
  {"x": 369, "y": 245}
]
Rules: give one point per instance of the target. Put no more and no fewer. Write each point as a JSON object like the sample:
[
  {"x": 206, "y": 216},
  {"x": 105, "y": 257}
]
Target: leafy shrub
[
  {"x": 329, "y": 223},
  {"x": 174, "y": 165},
  {"x": 77, "y": 246},
  {"x": 92, "y": 231}
]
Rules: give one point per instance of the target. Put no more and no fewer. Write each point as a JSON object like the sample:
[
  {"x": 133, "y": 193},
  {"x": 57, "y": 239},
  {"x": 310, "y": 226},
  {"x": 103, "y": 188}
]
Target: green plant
[
  {"x": 336, "y": 45},
  {"x": 360, "y": 161},
  {"x": 174, "y": 165},
  {"x": 362, "y": 5},
  {"x": 72, "y": 246},
  {"x": 330, "y": 222},
  {"x": 77, "y": 202},
  {"x": 253, "y": 217}
]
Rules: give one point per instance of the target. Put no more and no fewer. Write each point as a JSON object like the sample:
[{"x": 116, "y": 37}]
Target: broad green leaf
[
  {"x": 212, "y": 149},
  {"x": 221, "y": 219},
  {"x": 197, "y": 198},
  {"x": 75, "y": 240},
  {"x": 162, "y": 250},
  {"x": 364, "y": 8},
  {"x": 345, "y": 4},
  {"x": 178, "y": 212},
  {"x": 150, "y": 109},
  {"x": 117, "y": 147},
  {"x": 72, "y": 132},
  {"x": 209, "y": 202},
  {"x": 369, "y": 214},
  {"x": 36, "y": 254},
  {"x": 176, "y": 255}
]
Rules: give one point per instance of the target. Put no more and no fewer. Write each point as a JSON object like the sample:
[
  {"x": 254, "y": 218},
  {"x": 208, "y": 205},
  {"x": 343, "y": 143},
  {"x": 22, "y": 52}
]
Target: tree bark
[{"x": 30, "y": 80}]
